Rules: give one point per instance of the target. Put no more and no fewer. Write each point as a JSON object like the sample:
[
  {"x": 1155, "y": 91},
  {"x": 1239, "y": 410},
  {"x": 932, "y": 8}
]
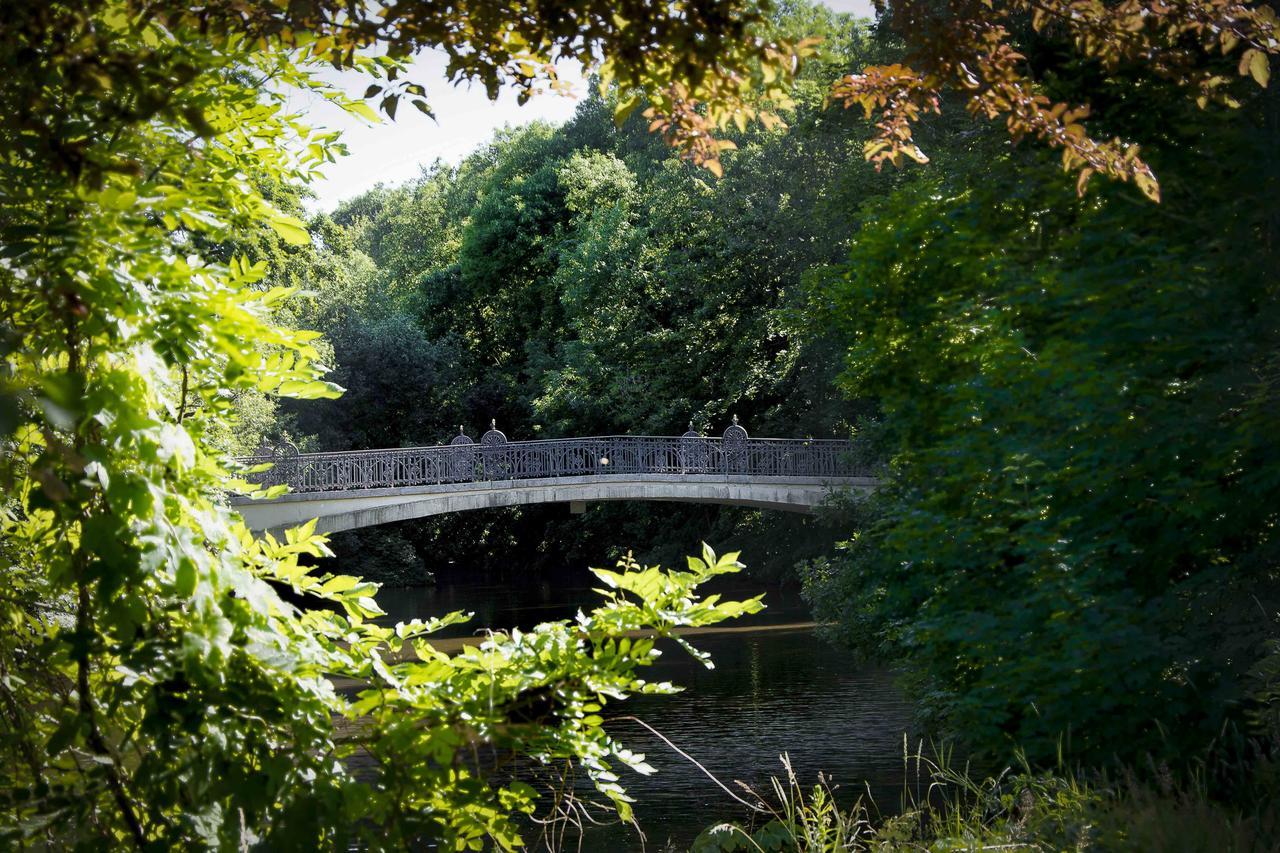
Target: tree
[
  {"x": 699, "y": 62},
  {"x": 398, "y": 387},
  {"x": 980, "y": 50},
  {"x": 1074, "y": 552},
  {"x": 156, "y": 690},
  {"x": 593, "y": 283}
]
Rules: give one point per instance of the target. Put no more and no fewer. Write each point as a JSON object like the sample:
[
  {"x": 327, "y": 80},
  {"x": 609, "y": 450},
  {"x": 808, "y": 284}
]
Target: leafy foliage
[
  {"x": 991, "y": 54},
  {"x": 582, "y": 280},
  {"x": 798, "y": 820},
  {"x": 948, "y": 807},
  {"x": 1077, "y": 543},
  {"x": 155, "y": 689},
  {"x": 699, "y": 62}
]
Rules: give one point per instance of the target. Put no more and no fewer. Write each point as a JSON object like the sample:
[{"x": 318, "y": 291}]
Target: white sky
[{"x": 395, "y": 152}]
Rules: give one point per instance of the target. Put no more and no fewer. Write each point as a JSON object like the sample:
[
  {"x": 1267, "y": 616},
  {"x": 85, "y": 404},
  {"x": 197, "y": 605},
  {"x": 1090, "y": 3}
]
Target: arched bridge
[{"x": 367, "y": 487}]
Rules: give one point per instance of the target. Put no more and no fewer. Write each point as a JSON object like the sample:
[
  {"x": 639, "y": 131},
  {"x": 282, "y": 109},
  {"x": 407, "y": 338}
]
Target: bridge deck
[{"x": 360, "y": 488}]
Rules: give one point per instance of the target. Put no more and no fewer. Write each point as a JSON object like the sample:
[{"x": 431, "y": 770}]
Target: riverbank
[{"x": 1152, "y": 811}]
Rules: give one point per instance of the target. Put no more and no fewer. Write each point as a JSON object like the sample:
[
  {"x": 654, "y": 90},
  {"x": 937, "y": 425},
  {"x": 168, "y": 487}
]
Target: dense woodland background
[
  {"x": 1073, "y": 396},
  {"x": 582, "y": 280},
  {"x": 1071, "y": 389}
]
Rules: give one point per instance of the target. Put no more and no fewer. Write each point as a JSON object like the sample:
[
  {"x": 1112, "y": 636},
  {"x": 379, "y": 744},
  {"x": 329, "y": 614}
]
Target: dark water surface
[{"x": 774, "y": 689}]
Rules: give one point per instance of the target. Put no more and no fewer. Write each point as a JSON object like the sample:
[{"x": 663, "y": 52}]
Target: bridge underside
[{"x": 355, "y": 508}]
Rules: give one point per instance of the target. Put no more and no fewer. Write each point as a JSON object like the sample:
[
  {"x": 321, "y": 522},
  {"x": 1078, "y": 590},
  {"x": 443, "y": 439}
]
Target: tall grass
[
  {"x": 946, "y": 807},
  {"x": 796, "y": 819}
]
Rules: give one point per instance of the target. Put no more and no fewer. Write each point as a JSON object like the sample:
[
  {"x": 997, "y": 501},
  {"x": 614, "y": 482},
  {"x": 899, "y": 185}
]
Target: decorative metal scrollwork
[
  {"x": 735, "y": 448},
  {"x": 695, "y": 453},
  {"x": 462, "y": 461},
  {"x": 277, "y": 448},
  {"x": 494, "y": 436},
  {"x": 495, "y": 458},
  {"x": 283, "y": 456}
]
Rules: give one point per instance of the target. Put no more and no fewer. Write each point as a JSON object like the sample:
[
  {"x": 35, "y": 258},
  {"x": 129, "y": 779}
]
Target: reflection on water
[{"x": 772, "y": 691}]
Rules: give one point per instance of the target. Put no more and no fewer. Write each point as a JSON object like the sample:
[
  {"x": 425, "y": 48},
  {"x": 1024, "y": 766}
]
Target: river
[{"x": 776, "y": 688}]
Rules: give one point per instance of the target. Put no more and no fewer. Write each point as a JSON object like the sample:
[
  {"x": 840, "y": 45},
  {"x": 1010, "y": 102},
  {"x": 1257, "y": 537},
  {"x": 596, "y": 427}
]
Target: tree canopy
[
  {"x": 1072, "y": 396},
  {"x": 577, "y": 281},
  {"x": 1075, "y": 551},
  {"x": 156, "y": 689},
  {"x": 1023, "y": 61}
]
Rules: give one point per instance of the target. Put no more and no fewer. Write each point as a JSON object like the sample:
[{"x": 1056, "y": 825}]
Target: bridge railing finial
[{"x": 494, "y": 437}]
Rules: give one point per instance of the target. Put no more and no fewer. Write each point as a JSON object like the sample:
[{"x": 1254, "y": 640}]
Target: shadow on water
[{"x": 774, "y": 689}]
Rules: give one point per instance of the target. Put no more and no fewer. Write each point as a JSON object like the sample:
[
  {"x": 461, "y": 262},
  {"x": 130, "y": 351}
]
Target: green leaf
[
  {"x": 290, "y": 228},
  {"x": 365, "y": 111},
  {"x": 340, "y": 583},
  {"x": 185, "y": 579},
  {"x": 310, "y": 390},
  {"x": 625, "y": 108},
  {"x": 389, "y": 104}
]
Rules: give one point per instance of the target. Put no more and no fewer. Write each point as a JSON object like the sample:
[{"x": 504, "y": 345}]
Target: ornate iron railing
[{"x": 496, "y": 459}]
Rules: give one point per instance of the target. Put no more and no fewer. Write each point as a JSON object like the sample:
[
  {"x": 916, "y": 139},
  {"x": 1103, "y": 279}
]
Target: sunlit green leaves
[
  {"x": 179, "y": 676},
  {"x": 125, "y": 324},
  {"x": 290, "y": 228},
  {"x": 664, "y": 600}
]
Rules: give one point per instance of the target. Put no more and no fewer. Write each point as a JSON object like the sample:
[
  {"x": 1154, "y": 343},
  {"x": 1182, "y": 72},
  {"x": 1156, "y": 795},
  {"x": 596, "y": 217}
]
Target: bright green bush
[{"x": 155, "y": 690}]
